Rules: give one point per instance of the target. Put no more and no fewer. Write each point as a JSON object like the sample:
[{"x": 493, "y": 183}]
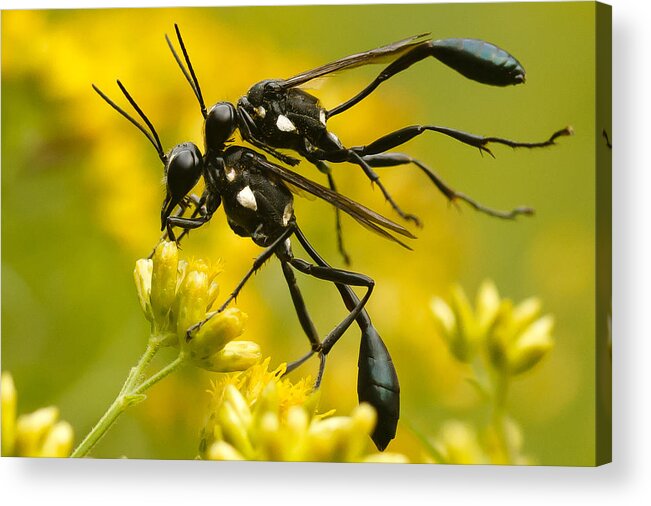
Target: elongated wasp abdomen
[{"x": 479, "y": 60}]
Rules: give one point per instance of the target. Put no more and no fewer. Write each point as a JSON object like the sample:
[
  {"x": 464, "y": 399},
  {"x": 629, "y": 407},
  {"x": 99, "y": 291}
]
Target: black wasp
[
  {"x": 258, "y": 204},
  {"x": 277, "y": 114}
]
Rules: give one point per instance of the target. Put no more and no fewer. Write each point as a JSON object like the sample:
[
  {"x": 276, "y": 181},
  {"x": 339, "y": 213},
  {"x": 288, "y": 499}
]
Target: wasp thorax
[
  {"x": 261, "y": 91},
  {"x": 219, "y": 126}
]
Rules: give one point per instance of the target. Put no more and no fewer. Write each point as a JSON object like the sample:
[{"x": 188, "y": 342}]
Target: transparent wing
[
  {"x": 363, "y": 215},
  {"x": 377, "y": 55}
]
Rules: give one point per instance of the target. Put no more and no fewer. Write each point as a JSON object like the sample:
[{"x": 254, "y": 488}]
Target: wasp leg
[
  {"x": 352, "y": 156},
  {"x": 325, "y": 168},
  {"x": 192, "y": 199},
  {"x": 337, "y": 276},
  {"x": 394, "y": 139},
  {"x": 394, "y": 159},
  {"x": 257, "y": 263},
  {"x": 377, "y": 381},
  {"x": 303, "y": 316}
]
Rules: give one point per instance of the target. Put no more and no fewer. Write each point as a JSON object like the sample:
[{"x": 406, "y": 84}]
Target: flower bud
[
  {"x": 163, "y": 281},
  {"x": 216, "y": 332},
  {"x": 142, "y": 275},
  {"x": 385, "y": 458},
  {"x": 191, "y": 302},
  {"x": 58, "y": 442},
  {"x": 233, "y": 396},
  {"x": 221, "y": 450},
  {"x": 531, "y": 346},
  {"x": 525, "y": 313},
  {"x": 488, "y": 306},
  {"x": 234, "y": 432},
  {"x": 459, "y": 443},
  {"x": 32, "y": 429},
  {"x": 235, "y": 356},
  {"x": 9, "y": 402}
]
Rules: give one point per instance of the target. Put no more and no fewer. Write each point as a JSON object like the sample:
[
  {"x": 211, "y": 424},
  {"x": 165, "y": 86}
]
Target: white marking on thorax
[
  {"x": 284, "y": 124},
  {"x": 287, "y": 214},
  {"x": 247, "y": 199},
  {"x": 230, "y": 174},
  {"x": 334, "y": 139},
  {"x": 260, "y": 111},
  {"x": 322, "y": 116}
]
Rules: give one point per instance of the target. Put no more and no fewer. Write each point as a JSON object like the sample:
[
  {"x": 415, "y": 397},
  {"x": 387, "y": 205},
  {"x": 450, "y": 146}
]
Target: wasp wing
[
  {"x": 376, "y": 55},
  {"x": 363, "y": 215}
]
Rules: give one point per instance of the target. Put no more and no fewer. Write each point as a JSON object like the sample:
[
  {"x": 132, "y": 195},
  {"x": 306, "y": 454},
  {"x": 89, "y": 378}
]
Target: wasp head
[
  {"x": 221, "y": 122},
  {"x": 182, "y": 171}
]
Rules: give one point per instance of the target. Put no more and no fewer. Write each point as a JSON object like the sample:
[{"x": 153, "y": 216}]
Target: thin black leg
[
  {"x": 395, "y": 159},
  {"x": 325, "y": 168},
  {"x": 337, "y": 276},
  {"x": 300, "y": 307},
  {"x": 394, "y": 139},
  {"x": 192, "y": 199},
  {"x": 353, "y": 156},
  {"x": 257, "y": 263},
  {"x": 377, "y": 381}
]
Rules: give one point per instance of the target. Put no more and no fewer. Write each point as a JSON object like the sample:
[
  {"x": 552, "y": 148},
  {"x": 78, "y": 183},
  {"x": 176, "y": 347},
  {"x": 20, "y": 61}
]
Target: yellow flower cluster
[
  {"x": 515, "y": 337},
  {"x": 175, "y": 295},
  {"x": 258, "y": 415},
  {"x": 37, "y": 434},
  {"x": 460, "y": 443}
]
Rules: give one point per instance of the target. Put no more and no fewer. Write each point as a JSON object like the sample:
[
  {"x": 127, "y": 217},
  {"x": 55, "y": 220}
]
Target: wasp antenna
[
  {"x": 155, "y": 141},
  {"x": 189, "y": 74}
]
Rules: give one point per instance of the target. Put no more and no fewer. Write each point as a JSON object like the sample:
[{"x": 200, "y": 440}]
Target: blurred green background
[{"x": 81, "y": 196}]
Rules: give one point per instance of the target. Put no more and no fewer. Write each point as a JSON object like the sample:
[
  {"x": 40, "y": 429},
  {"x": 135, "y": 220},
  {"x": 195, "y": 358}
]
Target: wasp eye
[
  {"x": 219, "y": 126},
  {"x": 182, "y": 172}
]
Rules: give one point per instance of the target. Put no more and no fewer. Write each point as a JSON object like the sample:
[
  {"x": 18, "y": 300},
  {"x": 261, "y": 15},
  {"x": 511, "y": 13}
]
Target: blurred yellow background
[{"x": 81, "y": 196}]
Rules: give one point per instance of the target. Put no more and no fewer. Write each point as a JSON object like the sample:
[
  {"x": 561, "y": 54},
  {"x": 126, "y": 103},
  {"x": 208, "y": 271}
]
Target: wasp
[
  {"x": 277, "y": 114},
  {"x": 256, "y": 198}
]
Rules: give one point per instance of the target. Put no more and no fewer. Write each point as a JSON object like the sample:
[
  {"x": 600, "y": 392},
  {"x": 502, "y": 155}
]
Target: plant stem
[
  {"x": 131, "y": 393},
  {"x": 499, "y": 408}
]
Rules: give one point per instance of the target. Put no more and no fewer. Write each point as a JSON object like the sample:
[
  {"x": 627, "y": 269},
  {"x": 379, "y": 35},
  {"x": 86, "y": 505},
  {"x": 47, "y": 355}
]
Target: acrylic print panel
[{"x": 497, "y": 328}]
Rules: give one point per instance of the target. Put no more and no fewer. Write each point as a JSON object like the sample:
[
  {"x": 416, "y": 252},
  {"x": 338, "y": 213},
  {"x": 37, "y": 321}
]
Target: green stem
[
  {"x": 499, "y": 412},
  {"x": 168, "y": 369},
  {"x": 131, "y": 393}
]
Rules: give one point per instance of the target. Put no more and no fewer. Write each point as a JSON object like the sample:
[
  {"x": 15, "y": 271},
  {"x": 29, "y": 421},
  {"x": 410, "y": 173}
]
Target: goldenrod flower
[
  {"x": 175, "y": 295},
  {"x": 258, "y": 415},
  {"x": 8, "y": 394},
  {"x": 37, "y": 434},
  {"x": 521, "y": 337},
  {"x": 460, "y": 443},
  {"x": 516, "y": 337},
  {"x": 462, "y": 327}
]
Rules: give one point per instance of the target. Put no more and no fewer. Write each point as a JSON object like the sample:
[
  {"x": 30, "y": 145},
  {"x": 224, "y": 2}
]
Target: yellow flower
[
  {"x": 37, "y": 434},
  {"x": 258, "y": 415},
  {"x": 521, "y": 337},
  {"x": 8, "y": 392},
  {"x": 460, "y": 443},
  {"x": 175, "y": 295},
  {"x": 515, "y": 337},
  {"x": 463, "y": 328}
]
